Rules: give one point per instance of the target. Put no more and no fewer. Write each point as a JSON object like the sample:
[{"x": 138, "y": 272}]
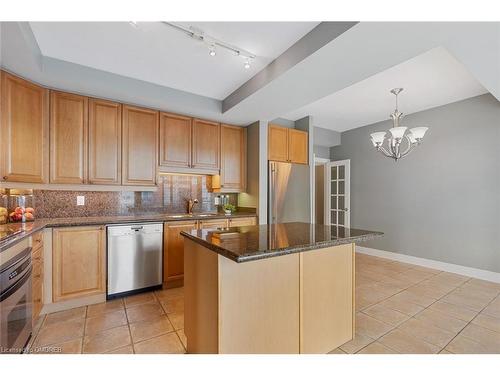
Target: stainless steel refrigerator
[{"x": 288, "y": 193}]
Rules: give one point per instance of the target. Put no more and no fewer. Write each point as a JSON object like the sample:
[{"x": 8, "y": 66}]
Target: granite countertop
[
  {"x": 247, "y": 243},
  {"x": 12, "y": 233}
]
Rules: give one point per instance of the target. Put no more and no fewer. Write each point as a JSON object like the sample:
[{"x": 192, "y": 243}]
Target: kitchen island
[{"x": 280, "y": 288}]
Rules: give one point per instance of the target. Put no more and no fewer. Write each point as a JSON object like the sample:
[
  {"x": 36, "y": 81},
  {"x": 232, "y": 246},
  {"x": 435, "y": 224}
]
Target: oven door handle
[{"x": 17, "y": 285}]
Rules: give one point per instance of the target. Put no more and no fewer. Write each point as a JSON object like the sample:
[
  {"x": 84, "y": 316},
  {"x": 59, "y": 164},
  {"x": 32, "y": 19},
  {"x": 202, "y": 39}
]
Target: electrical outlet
[{"x": 80, "y": 200}]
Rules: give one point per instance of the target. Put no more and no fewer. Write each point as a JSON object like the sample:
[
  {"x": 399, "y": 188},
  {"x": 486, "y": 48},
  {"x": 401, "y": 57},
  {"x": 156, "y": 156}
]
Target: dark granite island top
[{"x": 248, "y": 243}]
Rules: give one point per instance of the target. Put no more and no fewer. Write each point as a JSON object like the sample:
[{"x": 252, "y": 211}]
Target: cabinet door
[
  {"x": 213, "y": 224},
  {"x": 105, "y": 142},
  {"x": 242, "y": 221},
  {"x": 140, "y": 146},
  {"x": 24, "y": 131},
  {"x": 175, "y": 141},
  {"x": 206, "y": 144},
  {"x": 173, "y": 250},
  {"x": 297, "y": 146},
  {"x": 277, "y": 143},
  {"x": 68, "y": 138},
  {"x": 233, "y": 158},
  {"x": 79, "y": 262}
]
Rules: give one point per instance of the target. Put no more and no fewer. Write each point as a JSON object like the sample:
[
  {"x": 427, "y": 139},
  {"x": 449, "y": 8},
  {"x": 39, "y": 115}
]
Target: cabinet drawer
[
  {"x": 242, "y": 221},
  {"x": 213, "y": 224}
]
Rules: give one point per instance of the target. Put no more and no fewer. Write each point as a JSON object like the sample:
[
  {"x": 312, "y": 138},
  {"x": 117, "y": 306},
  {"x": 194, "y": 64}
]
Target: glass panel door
[{"x": 337, "y": 201}]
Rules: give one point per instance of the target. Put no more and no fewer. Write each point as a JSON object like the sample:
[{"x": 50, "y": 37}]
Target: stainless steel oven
[{"x": 15, "y": 298}]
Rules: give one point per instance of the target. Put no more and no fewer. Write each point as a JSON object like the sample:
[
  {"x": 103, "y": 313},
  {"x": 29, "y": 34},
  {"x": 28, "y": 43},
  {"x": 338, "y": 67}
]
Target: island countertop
[{"x": 247, "y": 243}]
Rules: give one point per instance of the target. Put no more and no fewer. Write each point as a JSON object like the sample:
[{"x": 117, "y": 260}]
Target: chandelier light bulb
[
  {"x": 212, "y": 51},
  {"x": 247, "y": 64}
]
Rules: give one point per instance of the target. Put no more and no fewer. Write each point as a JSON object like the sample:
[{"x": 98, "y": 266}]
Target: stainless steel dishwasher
[{"x": 135, "y": 258}]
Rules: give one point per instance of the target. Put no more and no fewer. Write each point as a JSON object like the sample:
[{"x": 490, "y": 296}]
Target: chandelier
[{"x": 400, "y": 142}]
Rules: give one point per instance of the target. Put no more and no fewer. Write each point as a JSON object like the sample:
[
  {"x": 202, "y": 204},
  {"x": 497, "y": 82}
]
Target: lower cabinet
[
  {"x": 242, "y": 221},
  {"x": 173, "y": 244},
  {"x": 37, "y": 278},
  {"x": 79, "y": 262},
  {"x": 213, "y": 224},
  {"x": 173, "y": 251}
]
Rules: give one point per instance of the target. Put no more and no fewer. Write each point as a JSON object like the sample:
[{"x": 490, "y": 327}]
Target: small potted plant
[{"x": 229, "y": 208}]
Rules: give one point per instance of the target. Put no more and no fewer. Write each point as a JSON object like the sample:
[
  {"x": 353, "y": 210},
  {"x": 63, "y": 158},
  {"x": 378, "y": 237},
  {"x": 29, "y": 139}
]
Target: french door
[{"x": 337, "y": 193}]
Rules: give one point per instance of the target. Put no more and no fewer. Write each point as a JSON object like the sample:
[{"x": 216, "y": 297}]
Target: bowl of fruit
[{"x": 22, "y": 214}]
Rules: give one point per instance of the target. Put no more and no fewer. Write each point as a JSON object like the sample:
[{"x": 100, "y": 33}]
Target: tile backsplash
[{"x": 171, "y": 197}]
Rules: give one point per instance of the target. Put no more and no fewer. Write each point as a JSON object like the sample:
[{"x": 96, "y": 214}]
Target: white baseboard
[{"x": 442, "y": 266}]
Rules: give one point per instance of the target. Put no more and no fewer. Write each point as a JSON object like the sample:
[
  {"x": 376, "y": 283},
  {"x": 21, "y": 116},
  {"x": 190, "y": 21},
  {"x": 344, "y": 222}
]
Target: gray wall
[
  {"x": 442, "y": 202},
  {"x": 322, "y": 152}
]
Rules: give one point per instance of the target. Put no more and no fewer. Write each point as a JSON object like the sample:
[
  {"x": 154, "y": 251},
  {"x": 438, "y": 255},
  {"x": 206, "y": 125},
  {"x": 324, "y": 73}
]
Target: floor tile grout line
[
  {"x": 405, "y": 314},
  {"x": 469, "y": 323}
]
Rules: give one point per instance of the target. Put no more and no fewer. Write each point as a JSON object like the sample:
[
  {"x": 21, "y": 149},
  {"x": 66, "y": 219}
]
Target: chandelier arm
[
  {"x": 413, "y": 147},
  {"x": 408, "y": 148},
  {"x": 384, "y": 151}
]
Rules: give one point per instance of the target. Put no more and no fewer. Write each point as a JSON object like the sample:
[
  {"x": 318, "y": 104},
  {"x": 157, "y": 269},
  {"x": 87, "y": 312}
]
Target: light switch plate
[{"x": 80, "y": 200}]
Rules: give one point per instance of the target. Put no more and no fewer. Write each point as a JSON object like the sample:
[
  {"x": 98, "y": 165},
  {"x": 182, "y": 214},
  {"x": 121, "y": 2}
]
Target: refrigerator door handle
[{"x": 272, "y": 187}]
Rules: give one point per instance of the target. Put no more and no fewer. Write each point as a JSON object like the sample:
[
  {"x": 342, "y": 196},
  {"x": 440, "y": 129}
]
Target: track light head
[{"x": 211, "y": 50}]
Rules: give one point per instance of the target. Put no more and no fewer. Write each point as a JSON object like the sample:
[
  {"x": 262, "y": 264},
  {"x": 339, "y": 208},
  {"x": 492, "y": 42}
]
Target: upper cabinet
[
  {"x": 287, "y": 145},
  {"x": 24, "y": 131},
  {"x": 68, "y": 138},
  {"x": 175, "y": 141},
  {"x": 233, "y": 158},
  {"x": 105, "y": 142},
  {"x": 297, "y": 146},
  {"x": 277, "y": 143},
  {"x": 206, "y": 145},
  {"x": 140, "y": 146}
]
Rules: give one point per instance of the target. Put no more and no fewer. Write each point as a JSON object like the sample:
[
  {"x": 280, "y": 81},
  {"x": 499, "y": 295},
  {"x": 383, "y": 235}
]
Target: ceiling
[
  {"x": 156, "y": 53},
  {"x": 431, "y": 79}
]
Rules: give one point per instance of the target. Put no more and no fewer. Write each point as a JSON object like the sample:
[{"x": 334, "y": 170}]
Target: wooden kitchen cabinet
[
  {"x": 173, "y": 251},
  {"x": 68, "y": 138},
  {"x": 37, "y": 275},
  {"x": 175, "y": 140},
  {"x": 287, "y": 145},
  {"x": 140, "y": 146},
  {"x": 105, "y": 142},
  {"x": 24, "y": 131},
  {"x": 213, "y": 224},
  {"x": 233, "y": 159},
  {"x": 297, "y": 146},
  {"x": 78, "y": 262},
  {"x": 242, "y": 221},
  {"x": 206, "y": 145},
  {"x": 277, "y": 143}
]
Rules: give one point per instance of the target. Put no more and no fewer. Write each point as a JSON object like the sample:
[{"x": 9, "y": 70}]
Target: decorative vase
[{"x": 227, "y": 212}]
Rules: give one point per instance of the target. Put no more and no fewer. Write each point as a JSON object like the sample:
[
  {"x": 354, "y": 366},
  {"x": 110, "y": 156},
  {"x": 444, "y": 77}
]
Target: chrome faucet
[{"x": 191, "y": 203}]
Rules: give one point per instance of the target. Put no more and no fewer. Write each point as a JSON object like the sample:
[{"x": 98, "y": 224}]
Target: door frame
[{"x": 347, "y": 191}]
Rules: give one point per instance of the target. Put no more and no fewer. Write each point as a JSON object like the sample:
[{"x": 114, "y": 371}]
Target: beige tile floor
[{"x": 400, "y": 308}]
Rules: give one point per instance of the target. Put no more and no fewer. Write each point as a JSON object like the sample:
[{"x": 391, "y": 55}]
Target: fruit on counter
[
  {"x": 29, "y": 216},
  {"x": 31, "y": 210},
  {"x": 3, "y": 215},
  {"x": 14, "y": 216},
  {"x": 19, "y": 210}
]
